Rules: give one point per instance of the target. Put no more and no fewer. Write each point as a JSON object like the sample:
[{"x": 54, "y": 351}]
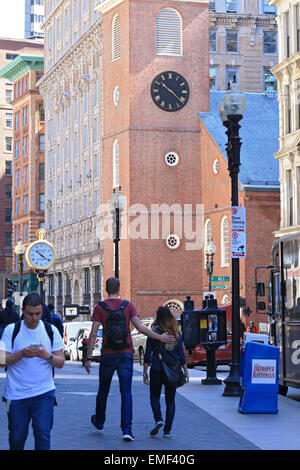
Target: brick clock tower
[{"x": 155, "y": 81}]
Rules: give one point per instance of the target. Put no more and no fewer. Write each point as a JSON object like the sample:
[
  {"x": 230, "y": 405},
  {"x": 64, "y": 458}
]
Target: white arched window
[
  {"x": 224, "y": 242},
  {"x": 116, "y": 156},
  {"x": 116, "y": 40},
  {"x": 208, "y": 235},
  {"x": 176, "y": 306},
  {"x": 168, "y": 32}
]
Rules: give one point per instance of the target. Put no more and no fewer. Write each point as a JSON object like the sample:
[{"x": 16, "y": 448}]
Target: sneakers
[
  {"x": 128, "y": 436},
  {"x": 167, "y": 433},
  {"x": 156, "y": 428},
  {"x": 99, "y": 427}
]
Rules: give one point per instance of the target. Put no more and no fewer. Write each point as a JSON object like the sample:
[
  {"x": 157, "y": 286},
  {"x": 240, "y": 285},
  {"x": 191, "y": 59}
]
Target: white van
[{"x": 70, "y": 332}]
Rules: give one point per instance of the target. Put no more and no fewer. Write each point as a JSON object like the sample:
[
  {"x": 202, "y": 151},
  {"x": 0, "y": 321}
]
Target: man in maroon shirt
[{"x": 112, "y": 360}]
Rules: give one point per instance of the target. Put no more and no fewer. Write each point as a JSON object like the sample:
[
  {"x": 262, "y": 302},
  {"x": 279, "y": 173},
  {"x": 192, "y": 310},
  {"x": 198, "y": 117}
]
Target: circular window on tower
[
  {"x": 172, "y": 241},
  {"x": 216, "y": 166},
  {"x": 116, "y": 96},
  {"x": 171, "y": 159}
]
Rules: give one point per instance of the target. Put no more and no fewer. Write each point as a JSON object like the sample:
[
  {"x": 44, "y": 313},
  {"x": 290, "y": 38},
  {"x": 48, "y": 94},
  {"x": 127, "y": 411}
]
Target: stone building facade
[
  {"x": 243, "y": 42},
  {"x": 72, "y": 90}
]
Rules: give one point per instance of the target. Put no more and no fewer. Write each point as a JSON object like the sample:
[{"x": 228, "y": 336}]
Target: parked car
[
  {"x": 76, "y": 351},
  {"x": 139, "y": 340},
  {"x": 70, "y": 331}
]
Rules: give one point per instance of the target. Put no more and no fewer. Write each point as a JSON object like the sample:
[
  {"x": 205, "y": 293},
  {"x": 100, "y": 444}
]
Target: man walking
[
  {"x": 116, "y": 353},
  {"x": 32, "y": 348}
]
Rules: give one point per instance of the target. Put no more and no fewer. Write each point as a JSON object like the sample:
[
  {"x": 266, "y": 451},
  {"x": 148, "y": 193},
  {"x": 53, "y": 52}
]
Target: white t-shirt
[{"x": 29, "y": 377}]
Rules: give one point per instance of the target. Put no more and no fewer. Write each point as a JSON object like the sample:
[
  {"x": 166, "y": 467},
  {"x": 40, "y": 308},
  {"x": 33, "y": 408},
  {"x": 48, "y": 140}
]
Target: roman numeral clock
[{"x": 170, "y": 91}]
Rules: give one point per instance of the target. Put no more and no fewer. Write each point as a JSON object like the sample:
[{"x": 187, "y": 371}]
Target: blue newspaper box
[{"x": 259, "y": 375}]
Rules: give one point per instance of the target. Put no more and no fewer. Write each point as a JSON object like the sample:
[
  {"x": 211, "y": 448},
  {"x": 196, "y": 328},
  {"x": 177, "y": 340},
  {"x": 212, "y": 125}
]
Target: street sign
[
  {"x": 238, "y": 232},
  {"x": 219, "y": 286},
  {"x": 220, "y": 278}
]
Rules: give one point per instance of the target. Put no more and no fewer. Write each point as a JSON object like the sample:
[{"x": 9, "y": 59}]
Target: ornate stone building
[
  {"x": 287, "y": 73},
  {"x": 243, "y": 42},
  {"x": 72, "y": 90}
]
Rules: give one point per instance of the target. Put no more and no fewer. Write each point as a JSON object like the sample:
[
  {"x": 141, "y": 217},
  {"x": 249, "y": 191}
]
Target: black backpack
[
  {"x": 18, "y": 326},
  {"x": 116, "y": 329}
]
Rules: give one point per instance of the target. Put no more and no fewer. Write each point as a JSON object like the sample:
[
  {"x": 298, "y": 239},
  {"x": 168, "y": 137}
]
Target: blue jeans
[
  {"x": 123, "y": 364},
  {"x": 20, "y": 413},
  {"x": 157, "y": 380}
]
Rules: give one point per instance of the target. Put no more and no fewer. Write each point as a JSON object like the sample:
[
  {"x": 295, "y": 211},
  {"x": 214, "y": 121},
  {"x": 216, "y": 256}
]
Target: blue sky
[{"x": 12, "y": 19}]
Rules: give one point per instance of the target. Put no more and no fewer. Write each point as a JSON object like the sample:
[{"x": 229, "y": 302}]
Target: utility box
[{"x": 259, "y": 378}]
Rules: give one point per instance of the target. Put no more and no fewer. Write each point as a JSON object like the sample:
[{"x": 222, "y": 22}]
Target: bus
[{"x": 284, "y": 308}]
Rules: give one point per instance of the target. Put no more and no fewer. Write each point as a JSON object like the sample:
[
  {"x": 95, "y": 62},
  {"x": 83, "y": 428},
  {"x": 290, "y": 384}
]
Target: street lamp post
[
  {"x": 20, "y": 251},
  {"x": 210, "y": 251},
  {"x": 116, "y": 206},
  {"x": 231, "y": 111}
]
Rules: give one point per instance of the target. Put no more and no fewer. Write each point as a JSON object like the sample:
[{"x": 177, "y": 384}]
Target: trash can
[{"x": 259, "y": 378}]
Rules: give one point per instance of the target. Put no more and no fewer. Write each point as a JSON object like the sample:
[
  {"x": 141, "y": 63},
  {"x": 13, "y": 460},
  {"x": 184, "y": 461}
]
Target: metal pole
[
  {"x": 116, "y": 242},
  {"x": 20, "y": 275},
  {"x": 233, "y": 387}
]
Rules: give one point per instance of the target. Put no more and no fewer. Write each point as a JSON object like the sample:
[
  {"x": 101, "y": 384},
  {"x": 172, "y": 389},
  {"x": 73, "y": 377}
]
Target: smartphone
[{"x": 35, "y": 346}]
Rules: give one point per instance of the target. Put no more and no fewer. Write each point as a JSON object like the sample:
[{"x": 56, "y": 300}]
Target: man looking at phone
[{"x": 29, "y": 391}]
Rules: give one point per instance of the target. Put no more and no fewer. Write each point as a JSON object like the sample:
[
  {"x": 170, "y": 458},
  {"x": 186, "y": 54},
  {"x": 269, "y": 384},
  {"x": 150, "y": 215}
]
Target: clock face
[
  {"x": 41, "y": 255},
  {"x": 170, "y": 91}
]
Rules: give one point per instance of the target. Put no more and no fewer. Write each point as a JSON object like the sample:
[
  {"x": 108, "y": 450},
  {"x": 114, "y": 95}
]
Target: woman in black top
[{"x": 164, "y": 322}]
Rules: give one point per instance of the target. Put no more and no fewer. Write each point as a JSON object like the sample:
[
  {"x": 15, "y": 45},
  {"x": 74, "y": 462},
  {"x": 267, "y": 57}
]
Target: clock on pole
[{"x": 40, "y": 256}]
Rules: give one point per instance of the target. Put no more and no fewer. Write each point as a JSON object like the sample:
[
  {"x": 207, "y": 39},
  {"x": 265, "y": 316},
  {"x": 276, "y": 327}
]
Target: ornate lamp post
[
  {"x": 231, "y": 111},
  {"x": 210, "y": 251},
  {"x": 20, "y": 251},
  {"x": 116, "y": 206}
]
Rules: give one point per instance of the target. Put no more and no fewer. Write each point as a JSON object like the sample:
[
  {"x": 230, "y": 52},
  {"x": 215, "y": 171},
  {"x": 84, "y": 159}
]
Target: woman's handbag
[{"x": 174, "y": 373}]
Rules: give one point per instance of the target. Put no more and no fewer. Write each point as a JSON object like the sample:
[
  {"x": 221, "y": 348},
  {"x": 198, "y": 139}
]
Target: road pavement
[{"x": 204, "y": 419}]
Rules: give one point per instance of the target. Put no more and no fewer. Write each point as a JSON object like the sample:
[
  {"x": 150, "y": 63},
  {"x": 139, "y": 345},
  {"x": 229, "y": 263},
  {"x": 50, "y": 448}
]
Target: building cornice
[
  {"x": 241, "y": 19},
  {"x": 20, "y": 65},
  {"x": 70, "y": 58}
]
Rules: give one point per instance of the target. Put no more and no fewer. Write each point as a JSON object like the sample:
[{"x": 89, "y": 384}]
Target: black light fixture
[
  {"x": 210, "y": 251},
  {"x": 20, "y": 251},
  {"x": 231, "y": 111},
  {"x": 116, "y": 206}
]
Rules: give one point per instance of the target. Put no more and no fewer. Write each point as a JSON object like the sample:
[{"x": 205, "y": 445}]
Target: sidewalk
[{"x": 266, "y": 431}]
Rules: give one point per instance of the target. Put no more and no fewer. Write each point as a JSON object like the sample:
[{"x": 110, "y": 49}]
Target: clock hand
[
  {"x": 42, "y": 255},
  {"x": 169, "y": 89}
]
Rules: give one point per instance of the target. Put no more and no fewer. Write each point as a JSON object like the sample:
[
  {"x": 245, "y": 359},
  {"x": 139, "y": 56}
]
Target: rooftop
[
  {"x": 259, "y": 134},
  {"x": 20, "y": 65}
]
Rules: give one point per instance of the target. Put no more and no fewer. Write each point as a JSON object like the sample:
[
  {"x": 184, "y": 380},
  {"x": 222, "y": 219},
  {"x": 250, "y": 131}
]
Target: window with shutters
[
  {"x": 225, "y": 242},
  {"x": 116, "y": 38},
  {"x": 168, "y": 33},
  {"x": 116, "y": 155}
]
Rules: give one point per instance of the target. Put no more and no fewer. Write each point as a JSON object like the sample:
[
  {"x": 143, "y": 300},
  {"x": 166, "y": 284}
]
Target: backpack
[
  {"x": 17, "y": 329},
  {"x": 116, "y": 329}
]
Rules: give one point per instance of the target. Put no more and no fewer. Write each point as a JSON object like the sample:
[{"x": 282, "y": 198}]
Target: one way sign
[{"x": 238, "y": 232}]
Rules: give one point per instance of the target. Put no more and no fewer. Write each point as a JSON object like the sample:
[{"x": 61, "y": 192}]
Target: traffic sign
[
  {"x": 219, "y": 286},
  {"x": 220, "y": 278},
  {"x": 238, "y": 232}
]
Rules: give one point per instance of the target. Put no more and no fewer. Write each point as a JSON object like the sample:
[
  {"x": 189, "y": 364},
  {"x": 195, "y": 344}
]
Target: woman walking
[{"x": 164, "y": 323}]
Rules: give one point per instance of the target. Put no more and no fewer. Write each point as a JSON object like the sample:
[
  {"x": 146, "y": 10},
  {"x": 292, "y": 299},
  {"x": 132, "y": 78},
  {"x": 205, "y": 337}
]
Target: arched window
[
  {"x": 175, "y": 306},
  {"x": 116, "y": 41},
  {"x": 224, "y": 242},
  {"x": 168, "y": 32},
  {"x": 116, "y": 156},
  {"x": 208, "y": 235}
]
